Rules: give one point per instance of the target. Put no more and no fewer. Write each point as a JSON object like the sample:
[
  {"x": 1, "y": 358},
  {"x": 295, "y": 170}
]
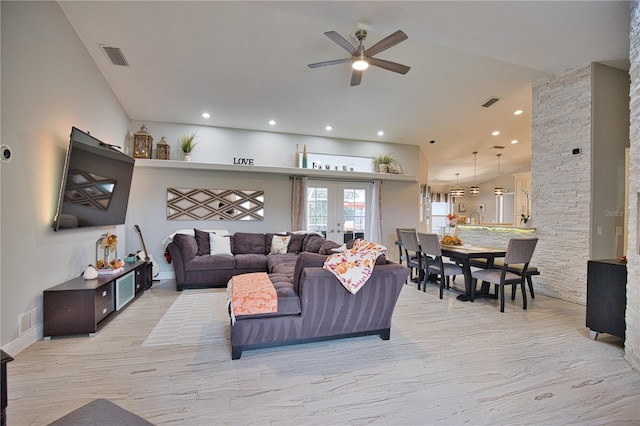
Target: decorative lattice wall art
[{"x": 214, "y": 204}]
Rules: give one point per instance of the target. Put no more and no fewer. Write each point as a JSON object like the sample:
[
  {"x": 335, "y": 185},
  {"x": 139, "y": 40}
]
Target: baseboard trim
[{"x": 23, "y": 342}]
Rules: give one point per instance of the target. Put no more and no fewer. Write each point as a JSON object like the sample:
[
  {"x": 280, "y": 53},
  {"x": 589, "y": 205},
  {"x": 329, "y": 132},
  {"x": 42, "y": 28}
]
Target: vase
[
  {"x": 186, "y": 157},
  {"x": 383, "y": 168}
]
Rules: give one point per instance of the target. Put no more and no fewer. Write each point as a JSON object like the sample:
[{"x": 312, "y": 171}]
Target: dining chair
[
  {"x": 519, "y": 252},
  {"x": 413, "y": 255},
  {"x": 430, "y": 245},
  {"x": 404, "y": 255}
]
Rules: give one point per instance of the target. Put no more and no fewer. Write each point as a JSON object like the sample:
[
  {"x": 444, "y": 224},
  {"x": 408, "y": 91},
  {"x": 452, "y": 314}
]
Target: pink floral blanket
[{"x": 353, "y": 267}]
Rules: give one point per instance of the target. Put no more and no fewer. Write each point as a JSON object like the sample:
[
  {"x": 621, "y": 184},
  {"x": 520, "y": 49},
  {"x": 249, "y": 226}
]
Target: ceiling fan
[{"x": 361, "y": 58}]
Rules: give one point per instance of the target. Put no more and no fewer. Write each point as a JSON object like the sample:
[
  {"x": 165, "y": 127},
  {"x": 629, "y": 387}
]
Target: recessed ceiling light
[
  {"x": 380, "y": 133},
  {"x": 206, "y": 115},
  {"x": 328, "y": 128},
  {"x": 518, "y": 112},
  {"x": 272, "y": 122},
  {"x": 495, "y": 133},
  {"x": 515, "y": 141}
]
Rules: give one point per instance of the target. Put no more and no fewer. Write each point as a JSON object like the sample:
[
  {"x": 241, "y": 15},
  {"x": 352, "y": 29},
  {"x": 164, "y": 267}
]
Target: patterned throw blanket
[
  {"x": 353, "y": 267},
  {"x": 250, "y": 294}
]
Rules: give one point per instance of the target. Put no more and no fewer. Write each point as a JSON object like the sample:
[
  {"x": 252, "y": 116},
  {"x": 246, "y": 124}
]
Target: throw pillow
[
  {"x": 219, "y": 244},
  {"x": 279, "y": 244},
  {"x": 295, "y": 244},
  {"x": 202, "y": 239},
  {"x": 328, "y": 246},
  {"x": 314, "y": 243}
]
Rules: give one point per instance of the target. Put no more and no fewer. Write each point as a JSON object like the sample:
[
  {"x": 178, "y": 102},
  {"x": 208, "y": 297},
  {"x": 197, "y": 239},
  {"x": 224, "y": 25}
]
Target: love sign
[{"x": 243, "y": 161}]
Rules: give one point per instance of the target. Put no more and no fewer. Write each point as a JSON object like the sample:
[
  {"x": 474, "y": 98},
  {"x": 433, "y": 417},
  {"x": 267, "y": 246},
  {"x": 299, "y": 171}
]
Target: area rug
[
  {"x": 101, "y": 412},
  {"x": 197, "y": 317}
]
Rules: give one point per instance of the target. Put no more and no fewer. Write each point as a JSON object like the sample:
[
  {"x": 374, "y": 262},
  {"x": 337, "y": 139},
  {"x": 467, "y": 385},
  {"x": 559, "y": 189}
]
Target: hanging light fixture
[
  {"x": 498, "y": 191},
  {"x": 474, "y": 190},
  {"x": 457, "y": 191}
]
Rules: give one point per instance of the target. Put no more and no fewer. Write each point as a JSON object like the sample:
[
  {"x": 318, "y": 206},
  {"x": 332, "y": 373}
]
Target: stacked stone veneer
[
  {"x": 632, "y": 342},
  {"x": 561, "y": 182}
]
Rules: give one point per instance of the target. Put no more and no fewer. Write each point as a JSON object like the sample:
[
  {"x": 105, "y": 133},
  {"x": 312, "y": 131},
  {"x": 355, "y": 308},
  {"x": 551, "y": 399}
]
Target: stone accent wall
[
  {"x": 561, "y": 182},
  {"x": 632, "y": 342}
]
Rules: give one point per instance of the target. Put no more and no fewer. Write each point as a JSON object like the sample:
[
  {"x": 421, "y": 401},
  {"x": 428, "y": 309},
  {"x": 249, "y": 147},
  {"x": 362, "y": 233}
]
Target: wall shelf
[{"x": 294, "y": 171}]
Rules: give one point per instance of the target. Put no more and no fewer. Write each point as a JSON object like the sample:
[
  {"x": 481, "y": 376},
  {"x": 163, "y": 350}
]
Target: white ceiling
[{"x": 246, "y": 62}]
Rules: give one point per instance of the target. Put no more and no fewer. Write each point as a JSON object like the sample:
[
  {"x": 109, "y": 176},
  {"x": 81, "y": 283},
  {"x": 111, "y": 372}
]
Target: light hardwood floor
[{"x": 448, "y": 362}]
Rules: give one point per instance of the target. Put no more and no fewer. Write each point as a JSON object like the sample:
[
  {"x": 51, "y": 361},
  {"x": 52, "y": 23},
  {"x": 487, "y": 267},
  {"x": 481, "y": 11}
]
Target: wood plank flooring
[{"x": 448, "y": 362}]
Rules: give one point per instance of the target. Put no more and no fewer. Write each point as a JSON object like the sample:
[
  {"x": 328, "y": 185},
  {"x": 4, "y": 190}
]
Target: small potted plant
[
  {"x": 381, "y": 162},
  {"x": 187, "y": 144}
]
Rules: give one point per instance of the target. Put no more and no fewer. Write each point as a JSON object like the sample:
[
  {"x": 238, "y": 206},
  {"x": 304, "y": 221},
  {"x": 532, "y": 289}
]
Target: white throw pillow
[
  {"x": 219, "y": 244},
  {"x": 279, "y": 244}
]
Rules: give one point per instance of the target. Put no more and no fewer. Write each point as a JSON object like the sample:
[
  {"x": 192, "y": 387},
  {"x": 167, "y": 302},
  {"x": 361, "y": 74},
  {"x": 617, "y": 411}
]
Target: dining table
[{"x": 464, "y": 254}]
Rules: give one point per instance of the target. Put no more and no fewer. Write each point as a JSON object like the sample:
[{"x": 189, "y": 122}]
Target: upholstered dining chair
[
  {"x": 413, "y": 253},
  {"x": 430, "y": 245},
  {"x": 404, "y": 255},
  {"x": 519, "y": 252}
]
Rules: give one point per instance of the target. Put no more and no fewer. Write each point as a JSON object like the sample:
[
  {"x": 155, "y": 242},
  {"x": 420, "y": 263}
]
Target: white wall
[
  {"x": 49, "y": 84},
  {"x": 147, "y": 207}
]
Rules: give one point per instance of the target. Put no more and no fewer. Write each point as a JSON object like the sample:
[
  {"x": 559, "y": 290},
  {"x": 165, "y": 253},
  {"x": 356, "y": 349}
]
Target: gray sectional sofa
[
  {"x": 195, "y": 267},
  {"x": 312, "y": 304}
]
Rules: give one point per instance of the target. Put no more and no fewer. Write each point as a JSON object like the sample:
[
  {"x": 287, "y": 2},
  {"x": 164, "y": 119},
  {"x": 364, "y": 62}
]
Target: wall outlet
[
  {"x": 618, "y": 230},
  {"x": 599, "y": 231}
]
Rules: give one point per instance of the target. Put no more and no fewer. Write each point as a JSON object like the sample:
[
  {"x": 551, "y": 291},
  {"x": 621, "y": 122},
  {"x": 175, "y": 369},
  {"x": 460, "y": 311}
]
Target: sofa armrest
[
  {"x": 329, "y": 309},
  {"x": 178, "y": 262}
]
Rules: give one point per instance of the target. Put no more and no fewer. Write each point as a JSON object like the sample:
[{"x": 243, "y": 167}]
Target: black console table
[
  {"x": 606, "y": 297},
  {"x": 80, "y": 306}
]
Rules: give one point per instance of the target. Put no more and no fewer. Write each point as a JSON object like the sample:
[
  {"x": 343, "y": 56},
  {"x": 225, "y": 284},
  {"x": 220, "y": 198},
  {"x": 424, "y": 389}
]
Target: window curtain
[
  {"x": 375, "y": 229},
  {"x": 299, "y": 203}
]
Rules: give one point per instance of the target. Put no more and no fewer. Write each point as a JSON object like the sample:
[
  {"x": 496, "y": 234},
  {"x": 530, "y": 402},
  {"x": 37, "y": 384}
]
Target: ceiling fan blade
[
  {"x": 339, "y": 40},
  {"x": 388, "y": 65},
  {"x": 356, "y": 77},
  {"x": 386, "y": 43},
  {"x": 327, "y": 63}
]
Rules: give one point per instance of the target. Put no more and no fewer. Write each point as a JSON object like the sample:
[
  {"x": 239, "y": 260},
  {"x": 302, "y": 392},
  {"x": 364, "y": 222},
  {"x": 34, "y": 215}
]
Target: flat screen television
[{"x": 95, "y": 185}]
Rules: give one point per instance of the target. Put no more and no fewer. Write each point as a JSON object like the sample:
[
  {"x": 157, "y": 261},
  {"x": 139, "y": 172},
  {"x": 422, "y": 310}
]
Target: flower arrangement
[
  {"x": 453, "y": 219},
  {"x": 110, "y": 242},
  {"x": 524, "y": 218}
]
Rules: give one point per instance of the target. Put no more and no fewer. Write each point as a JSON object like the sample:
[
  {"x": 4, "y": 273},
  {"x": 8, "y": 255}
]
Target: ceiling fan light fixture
[{"x": 360, "y": 64}]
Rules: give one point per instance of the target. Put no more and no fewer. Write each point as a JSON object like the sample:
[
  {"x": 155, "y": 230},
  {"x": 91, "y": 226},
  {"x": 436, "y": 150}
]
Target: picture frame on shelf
[
  {"x": 462, "y": 208},
  {"x": 482, "y": 208}
]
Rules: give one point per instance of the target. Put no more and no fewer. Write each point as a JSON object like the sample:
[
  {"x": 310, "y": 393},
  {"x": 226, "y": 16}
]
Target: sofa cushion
[
  {"x": 251, "y": 262},
  {"x": 219, "y": 244},
  {"x": 288, "y": 300},
  {"x": 279, "y": 244},
  {"x": 295, "y": 243},
  {"x": 313, "y": 243},
  {"x": 328, "y": 246},
  {"x": 187, "y": 245},
  {"x": 248, "y": 243},
  {"x": 282, "y": 263},
  {"x": 202, "y": 240},
  {"x": 210, "y": 262},
  {"x": 306, "y": 260}
]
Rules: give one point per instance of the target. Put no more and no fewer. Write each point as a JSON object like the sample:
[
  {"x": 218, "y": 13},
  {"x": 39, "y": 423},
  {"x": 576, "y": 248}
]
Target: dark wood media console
[{"x": 80, "y": 306}]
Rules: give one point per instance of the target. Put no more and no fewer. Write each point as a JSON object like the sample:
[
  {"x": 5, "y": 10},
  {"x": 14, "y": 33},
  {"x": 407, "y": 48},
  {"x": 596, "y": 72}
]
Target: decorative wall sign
[{"x": 214, "y": 204}]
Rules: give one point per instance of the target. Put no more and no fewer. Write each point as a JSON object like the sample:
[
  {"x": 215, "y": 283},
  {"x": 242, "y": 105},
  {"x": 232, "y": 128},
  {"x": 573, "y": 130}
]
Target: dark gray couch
[
  {"x": 194, "y": 267},
  {"x": 313, "y": 305}
]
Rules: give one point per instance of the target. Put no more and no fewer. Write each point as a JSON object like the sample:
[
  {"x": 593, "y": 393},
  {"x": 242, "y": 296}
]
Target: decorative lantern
[
  {"x": 163, "y": 150},
  {"x": 142, "y": 143}
]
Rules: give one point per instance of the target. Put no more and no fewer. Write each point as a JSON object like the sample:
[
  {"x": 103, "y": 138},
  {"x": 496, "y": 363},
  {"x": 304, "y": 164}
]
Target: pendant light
[
  {"x": 474, "y": 190},
  {"x": 498, "y": 191},
  {"x": 457, "y": 191}
]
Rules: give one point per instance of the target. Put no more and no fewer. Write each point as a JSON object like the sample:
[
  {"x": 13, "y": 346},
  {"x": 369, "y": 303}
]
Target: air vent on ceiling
[
  {"x": 115, "y": 55},
  {"x": 497, "y": 147},
  {"x": 490, "y": 102}
]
